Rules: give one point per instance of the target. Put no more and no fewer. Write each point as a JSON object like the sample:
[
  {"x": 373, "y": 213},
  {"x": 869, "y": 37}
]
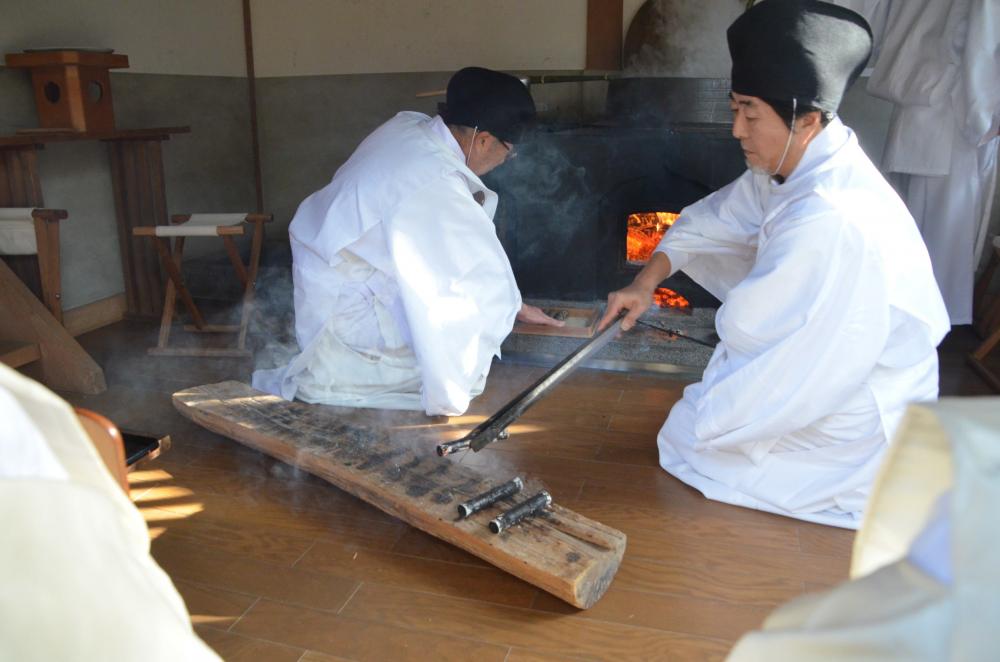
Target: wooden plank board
[
  {"x": 580, "y": 323},
  {"x": 387, "y": 459}
]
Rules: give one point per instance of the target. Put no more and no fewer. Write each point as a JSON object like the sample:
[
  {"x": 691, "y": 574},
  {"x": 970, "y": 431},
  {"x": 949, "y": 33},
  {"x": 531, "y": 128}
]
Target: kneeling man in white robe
[
  {"x": 830, "y": 315},
  {"x": 403, "y": 292}
]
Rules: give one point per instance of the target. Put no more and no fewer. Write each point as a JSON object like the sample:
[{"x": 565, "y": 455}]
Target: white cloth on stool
[
  {"x": 200, "y": 225},
  {"x": 438, "y": 286},
  {"x": 17, "y": 231},
  {"x": 828, "y": 329},
  {"x": 76, "y": 578}
]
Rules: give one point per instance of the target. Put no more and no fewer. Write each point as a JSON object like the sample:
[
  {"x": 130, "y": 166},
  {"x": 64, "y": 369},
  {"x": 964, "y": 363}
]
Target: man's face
[
  {"x": 488, "y": 152},
  {"x": 761, "y": 132}
]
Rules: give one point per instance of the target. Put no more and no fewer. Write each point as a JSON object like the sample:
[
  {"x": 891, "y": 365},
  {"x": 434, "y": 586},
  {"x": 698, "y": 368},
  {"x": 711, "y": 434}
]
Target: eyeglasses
[{"x": 511, "y": 152}]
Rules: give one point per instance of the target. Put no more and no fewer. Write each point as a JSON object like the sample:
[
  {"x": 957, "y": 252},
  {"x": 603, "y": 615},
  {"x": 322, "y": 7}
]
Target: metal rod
[
  {"x": 675, "y": 333},
  {"x": 487, "y": 499},
  {"x": 521, "y": 511},
  {"x": 492, "y": 428}
]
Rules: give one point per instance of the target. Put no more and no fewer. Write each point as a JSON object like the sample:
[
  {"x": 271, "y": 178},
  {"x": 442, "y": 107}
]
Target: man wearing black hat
[
  {"x": 403, "y": 293},
  {"x": 830, "y": 313}
]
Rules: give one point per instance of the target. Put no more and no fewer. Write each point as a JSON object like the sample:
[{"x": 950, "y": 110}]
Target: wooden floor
[{"x": 277, "y": 565}]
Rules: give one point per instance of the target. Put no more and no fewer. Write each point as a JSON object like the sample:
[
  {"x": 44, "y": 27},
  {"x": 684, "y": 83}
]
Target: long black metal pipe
[{"x": 492, "y": 428}]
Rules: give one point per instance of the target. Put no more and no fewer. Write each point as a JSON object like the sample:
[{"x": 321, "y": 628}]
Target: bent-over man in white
[{"x": 403, "y": 292}]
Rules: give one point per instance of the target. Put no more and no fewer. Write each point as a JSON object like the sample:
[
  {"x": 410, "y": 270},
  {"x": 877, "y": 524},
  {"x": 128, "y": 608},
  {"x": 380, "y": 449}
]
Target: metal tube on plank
[
  {"x": 492, "y": 428},
  {"x": 487, "y": 499},
  {"x": 521, "y": 511}
]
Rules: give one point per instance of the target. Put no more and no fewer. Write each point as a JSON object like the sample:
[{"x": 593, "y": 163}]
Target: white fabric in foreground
[
  {"x": 76, "y": 578},
  {"x": 913, "y": 596},
  {"x": 200, "y": 225},
  {"x": 17, "y": 231},
  {"x": 828, "y": 329}
]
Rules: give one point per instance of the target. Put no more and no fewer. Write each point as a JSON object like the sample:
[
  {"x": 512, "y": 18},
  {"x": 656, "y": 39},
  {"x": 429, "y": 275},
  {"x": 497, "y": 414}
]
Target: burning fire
[
  {"x": 644, "y": 233},
  {"x": 666, "y": 298}
]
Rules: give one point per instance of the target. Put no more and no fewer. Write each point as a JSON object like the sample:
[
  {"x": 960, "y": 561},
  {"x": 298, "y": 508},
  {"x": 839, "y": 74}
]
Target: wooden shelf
[
  {"x": 43, "y": 136},
  {"x": 17, "y": 354}
]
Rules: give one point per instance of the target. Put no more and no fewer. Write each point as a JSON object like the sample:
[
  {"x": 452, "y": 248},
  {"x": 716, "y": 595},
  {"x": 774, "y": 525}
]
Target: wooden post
[
  {"x": 604, "y": 34},
  {"x": 252, "y": 99}
]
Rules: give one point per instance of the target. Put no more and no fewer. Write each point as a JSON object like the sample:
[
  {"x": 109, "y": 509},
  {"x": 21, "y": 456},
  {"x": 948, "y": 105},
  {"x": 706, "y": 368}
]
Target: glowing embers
[
  {"x": 666, "y": 298},
  {"x": 644, "y": 232}
]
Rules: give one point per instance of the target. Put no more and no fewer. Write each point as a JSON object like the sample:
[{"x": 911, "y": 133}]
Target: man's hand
[
  {"x": 535, "y": 315},
  {"x": 636, "y": 299}
]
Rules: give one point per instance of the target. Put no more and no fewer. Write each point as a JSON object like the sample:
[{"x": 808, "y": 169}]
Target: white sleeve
[
  {"x": 715, "y": 240},
  {"x": 980, "y": 88},
  {"x": 799, "y": 336},
  {"x": 457, "y": 288}
]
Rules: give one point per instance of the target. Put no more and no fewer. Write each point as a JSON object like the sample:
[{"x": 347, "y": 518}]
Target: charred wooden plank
[{"x": 385, "y": 459}]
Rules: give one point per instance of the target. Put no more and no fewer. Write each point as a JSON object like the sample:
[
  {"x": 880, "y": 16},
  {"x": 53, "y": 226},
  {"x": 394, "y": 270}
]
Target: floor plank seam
[
  {"x": 305, "y": 650},
  {"x": 353, "y": 593},
  {"x": 303, "y": 554},
  {"x": 245, "y": 612}
]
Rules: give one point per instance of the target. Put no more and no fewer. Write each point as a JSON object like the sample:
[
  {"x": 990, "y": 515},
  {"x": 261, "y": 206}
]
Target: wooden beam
[
  {"x": 388, "y": 459},
  {"x": 604, "y": 34},
  {"x": 252, "y": 102},
  {"x": 65, "y": 365}
]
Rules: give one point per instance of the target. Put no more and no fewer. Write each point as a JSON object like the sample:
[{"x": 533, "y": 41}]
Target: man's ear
[{"x": 808, "y": 122}]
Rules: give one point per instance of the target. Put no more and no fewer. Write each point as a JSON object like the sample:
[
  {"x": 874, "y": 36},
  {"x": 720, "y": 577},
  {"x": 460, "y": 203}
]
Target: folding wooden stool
[
  {"x": 205, "y": 225},
  {"x": 987, "y": 320},
  {"x": 28, "y": 231}
]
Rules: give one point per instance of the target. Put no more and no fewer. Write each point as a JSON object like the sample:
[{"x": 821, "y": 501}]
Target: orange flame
[
  {"x": 666, "y": 298},
  {"x": 644, "y": 233}
]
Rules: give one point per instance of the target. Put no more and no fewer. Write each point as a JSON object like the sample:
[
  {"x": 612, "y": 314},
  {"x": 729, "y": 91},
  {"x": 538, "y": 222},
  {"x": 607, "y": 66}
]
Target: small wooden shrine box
[{"x": 72, "y": 87}]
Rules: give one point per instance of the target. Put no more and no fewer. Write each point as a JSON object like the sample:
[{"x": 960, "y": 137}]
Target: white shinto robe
[
  {"x": 940, "y": 64},
  {"x": 828, "y": 328},
  {"x": 403, "y": 292},
  {"x": 924, "y": 577},
  {"x": 78, "y": 582}
]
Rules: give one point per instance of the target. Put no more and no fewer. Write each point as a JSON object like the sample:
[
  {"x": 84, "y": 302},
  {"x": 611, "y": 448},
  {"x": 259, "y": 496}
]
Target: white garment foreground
[
  {"x": 938, "y": 62},
  {"x": 76, "y": 578},
  {"x": 828, "y": 328},
  {"x": 924, "y": 575},
  {"x": 403, "y": 292}
]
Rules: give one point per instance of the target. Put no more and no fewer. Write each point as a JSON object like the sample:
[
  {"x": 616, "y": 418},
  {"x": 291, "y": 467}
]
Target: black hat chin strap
[
  {"x": 472, "y": 142},
  {"x": 791, "y": 132}
]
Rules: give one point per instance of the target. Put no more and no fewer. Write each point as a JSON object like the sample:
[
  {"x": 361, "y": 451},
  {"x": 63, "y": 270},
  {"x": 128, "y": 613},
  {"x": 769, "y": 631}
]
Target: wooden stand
[
  {"x": 72, "y": 88},
  {"x": 361, "y": 452},
  {"x": 140, "y": 200}
]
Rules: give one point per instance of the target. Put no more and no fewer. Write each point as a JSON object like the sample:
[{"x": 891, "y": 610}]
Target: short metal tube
[
  {"x": 449, "y": 447},
  {"x": 521, "y": 511},
  {"x": 487, "y": 499}
]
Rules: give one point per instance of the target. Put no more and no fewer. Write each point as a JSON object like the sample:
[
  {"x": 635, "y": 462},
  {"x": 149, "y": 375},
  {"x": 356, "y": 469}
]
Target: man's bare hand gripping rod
[{"x": 637, "y": 297}]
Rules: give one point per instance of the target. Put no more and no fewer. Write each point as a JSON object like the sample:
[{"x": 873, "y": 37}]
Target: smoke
[
  {"x": 546, "y": 193},
  {"x": 273, "y": 324}
]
